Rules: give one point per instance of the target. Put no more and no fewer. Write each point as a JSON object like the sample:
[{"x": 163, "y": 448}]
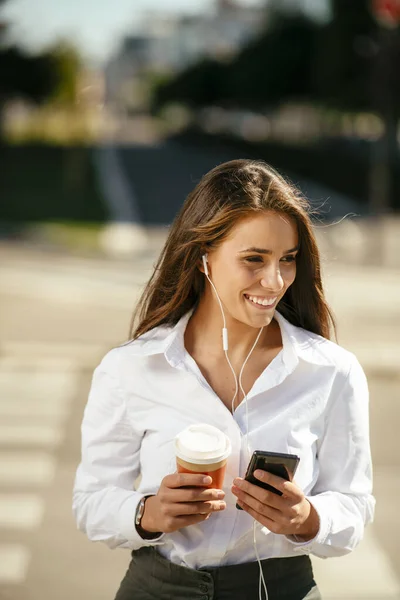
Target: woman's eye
[
  {"x": 259, "y": 259},
  {"x": 253, "y": 259}
]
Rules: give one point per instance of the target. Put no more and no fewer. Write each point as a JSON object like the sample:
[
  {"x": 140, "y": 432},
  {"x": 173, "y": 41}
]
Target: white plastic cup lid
[{"x": 202, "y": 444}]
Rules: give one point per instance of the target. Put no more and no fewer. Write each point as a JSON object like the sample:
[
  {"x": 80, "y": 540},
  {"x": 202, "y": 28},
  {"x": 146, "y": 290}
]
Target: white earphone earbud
[{"x": 204, "y": 258}]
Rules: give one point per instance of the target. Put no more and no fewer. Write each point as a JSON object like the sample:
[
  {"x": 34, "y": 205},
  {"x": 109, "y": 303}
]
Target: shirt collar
[
  {"x": 169, "y": 340},
  {"x": 307, "y": 346},
  {"x": 164, "y": 339}
]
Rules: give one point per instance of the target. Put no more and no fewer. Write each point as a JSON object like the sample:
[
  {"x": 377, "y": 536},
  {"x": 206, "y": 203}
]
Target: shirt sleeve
[
  {"x": 104, "y": 500},
  {"x": 342, "y": 495}
]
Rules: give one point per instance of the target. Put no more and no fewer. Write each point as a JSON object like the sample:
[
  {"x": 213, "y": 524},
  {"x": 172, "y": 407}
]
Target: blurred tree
[
  {"x": 31, "y": 77},
  {"x": 297, "y": 58},
  {"x": 346, "y": 49},
  {"x": 196, "y": 86},
  {"x": 21, "y": 75},
  {"x": 357, "y": 69},
  {"x": 275, "y": 67},
  {"x": 357, "y": 62},
  {"x": 67, "y": 63}
]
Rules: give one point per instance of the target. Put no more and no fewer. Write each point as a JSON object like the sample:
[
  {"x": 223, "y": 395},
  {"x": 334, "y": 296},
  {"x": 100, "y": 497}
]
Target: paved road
[{"x": 58, "y": 316}]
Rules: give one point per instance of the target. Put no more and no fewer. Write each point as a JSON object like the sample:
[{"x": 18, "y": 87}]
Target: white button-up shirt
[{"x": 311, "y": 400}]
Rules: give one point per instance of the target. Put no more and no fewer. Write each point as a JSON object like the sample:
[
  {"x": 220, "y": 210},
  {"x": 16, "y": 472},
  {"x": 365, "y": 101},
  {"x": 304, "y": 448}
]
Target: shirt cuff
[
  {"x": 325, "y": 525},
  {"x": 127, "y": 527}
]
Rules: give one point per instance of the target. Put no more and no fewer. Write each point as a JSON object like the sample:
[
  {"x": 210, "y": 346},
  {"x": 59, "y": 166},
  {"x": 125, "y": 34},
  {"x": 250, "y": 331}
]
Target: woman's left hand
[{"x": 289, "y": 514}]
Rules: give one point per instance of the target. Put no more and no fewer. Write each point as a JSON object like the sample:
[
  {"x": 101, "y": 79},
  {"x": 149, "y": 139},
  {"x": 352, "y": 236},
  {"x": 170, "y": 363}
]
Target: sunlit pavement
[{"x": 58, "y": 316}]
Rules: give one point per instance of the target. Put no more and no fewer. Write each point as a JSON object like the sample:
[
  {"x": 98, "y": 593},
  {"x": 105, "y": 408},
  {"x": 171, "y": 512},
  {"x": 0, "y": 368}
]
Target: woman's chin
[{"x": 261, "y": 320}]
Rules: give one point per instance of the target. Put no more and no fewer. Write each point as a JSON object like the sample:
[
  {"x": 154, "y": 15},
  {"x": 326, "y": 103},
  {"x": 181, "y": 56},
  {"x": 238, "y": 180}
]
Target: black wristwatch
[{"x": 146, "y": 535}]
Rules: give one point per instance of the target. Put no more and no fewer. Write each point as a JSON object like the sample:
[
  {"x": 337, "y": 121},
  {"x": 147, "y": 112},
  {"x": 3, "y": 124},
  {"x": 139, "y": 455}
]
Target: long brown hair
[{"x": 226, "y": 194}]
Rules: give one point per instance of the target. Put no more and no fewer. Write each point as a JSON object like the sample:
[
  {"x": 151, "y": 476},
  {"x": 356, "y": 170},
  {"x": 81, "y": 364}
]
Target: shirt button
[
  {"x": 205, "y": 578},
  {"x": 203, "y": 588},
  {"x": 204, "y": 598}
]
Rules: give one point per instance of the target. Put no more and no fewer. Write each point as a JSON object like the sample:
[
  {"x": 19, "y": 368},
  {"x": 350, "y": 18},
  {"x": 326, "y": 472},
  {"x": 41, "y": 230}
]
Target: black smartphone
[{"x": 280, "y": 464}]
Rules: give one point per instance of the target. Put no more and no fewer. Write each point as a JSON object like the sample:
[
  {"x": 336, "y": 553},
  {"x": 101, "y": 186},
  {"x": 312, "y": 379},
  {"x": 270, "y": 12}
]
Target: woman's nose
[{"x": 272, "y": 279}]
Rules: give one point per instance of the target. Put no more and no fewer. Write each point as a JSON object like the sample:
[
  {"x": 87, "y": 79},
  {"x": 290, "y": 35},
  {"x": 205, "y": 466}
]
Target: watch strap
[{"x": 146, "y": 535}]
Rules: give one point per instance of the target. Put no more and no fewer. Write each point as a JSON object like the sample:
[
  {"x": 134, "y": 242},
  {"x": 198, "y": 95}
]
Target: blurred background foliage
[
  {"x": 46, "y": 168},
  {"x": 317, "y": 98},
  {"x": 346, "y": 71},
  {"x": 296, "y": 58}
]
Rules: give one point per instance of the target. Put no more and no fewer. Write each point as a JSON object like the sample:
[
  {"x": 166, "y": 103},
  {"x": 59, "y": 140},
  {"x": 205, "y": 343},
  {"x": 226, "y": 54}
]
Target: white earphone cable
[
  {"x": 261, "y": 576},
  {"x": 218, "y": 298},
  {"x": 224, "y": 338},
  {"x": 238, "y": 384},
  {"x": 243, "y": 392}
]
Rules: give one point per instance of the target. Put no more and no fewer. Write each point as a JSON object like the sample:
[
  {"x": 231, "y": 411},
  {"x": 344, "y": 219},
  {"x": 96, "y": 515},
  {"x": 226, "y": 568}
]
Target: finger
[
  {"x": 262, "y": 519},
  {"x": 196, "y": 508},
  {"x": 194, "y": 494},
  {"x": 247, "y": 489},
  {"x": 288, "y": 488},
  {"x": 191, "y": 520},
  {"x": 209, "y": 494},
  {"x": 177, "y": 480},
  {"x": 260, "y": 508}
]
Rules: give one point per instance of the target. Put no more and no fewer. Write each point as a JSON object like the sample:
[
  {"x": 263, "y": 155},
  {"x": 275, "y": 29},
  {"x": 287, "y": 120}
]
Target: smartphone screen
[{"x": 280, "y": 464}]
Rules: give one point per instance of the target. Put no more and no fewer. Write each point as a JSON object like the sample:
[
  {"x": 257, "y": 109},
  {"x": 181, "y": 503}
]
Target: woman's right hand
[{"x": 182, "y": 500}]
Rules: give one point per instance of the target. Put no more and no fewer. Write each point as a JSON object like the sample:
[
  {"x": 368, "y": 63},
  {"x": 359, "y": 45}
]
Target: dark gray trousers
[{"x": 151, "y": 577}]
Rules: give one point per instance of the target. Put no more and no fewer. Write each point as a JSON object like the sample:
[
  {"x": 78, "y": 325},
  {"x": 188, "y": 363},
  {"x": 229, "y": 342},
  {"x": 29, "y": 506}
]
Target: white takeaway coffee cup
[{"x": 203, "y": 448}]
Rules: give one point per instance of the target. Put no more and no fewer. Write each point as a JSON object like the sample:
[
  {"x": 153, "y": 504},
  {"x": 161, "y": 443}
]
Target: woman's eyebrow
[{"x": 265, "y": 251}]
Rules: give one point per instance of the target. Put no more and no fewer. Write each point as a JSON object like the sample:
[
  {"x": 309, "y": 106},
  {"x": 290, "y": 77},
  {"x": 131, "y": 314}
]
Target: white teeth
[{"x": 262, "y": 301}]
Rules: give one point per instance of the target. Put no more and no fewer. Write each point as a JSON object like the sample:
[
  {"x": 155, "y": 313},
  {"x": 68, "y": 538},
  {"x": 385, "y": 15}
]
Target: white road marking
[
  {"x": 37, "y": 434},
  {"x": 26, "y": 468},
  {"x": 35, "y": 399},
  {"x": 62, "y": 358},
  {"x": 14, "y": 562},
  {"x": 365, "y": 573},
  {"x": 21, "y": 511},
  {"x": 33, "y": 384},
  {"x": 29, "y": 393},
  {"x": 43, "y": 409},
  {"x": 71, "y": 290}
]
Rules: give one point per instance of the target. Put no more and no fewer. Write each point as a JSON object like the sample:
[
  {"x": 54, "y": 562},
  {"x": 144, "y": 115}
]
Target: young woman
[{"x": 241, "y": 253}]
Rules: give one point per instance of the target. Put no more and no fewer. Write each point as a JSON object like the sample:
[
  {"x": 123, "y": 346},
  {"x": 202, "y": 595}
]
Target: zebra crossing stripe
[
  {"x": 24, "y": 434},
  {"x": 14, "y": 563},
  {"x": 21, "y": 511},
  {"x": 43, "y": 409},
  {"x": 21, "y": 469}
]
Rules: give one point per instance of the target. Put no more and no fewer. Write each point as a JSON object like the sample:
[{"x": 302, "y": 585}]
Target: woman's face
[{"x": 254, "y": 266}]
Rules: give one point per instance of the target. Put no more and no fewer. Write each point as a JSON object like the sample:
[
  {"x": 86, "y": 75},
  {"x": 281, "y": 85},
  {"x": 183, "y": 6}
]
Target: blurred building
[
  {"x": 219, "y": 34},
  {"x": 169, "y": 44}
]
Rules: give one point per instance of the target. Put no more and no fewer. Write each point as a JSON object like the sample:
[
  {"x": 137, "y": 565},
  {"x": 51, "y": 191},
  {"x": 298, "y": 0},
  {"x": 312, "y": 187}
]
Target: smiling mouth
[{"x": 262, "y": 302}]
